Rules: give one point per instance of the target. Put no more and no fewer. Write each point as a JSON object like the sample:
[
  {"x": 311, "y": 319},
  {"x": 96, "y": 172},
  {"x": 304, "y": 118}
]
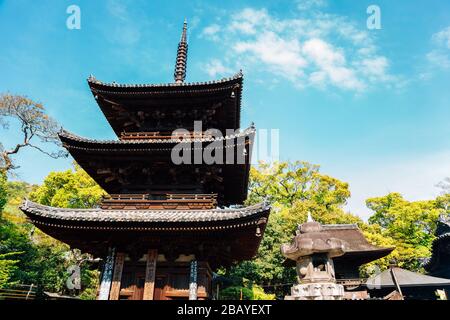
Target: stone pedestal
[{"x": 316, "y": 291}]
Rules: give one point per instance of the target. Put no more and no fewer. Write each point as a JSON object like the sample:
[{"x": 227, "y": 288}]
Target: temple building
[
  {"x": 406, "y": 284},
  {"x": 439, "y": 263},
  {"x": 165, "y": 224}
]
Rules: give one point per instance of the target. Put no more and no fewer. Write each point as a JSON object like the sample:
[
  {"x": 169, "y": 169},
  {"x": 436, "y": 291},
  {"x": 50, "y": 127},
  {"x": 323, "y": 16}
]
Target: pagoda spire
[{"x": 180, "y": 65}]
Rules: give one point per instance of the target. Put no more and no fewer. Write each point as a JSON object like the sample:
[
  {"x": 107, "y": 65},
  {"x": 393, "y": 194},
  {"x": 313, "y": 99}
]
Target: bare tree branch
[{"x": 34, "y": 122}]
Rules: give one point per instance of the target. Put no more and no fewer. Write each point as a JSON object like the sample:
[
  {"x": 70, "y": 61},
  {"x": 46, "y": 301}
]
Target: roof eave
[{"x": 119, "y": 88}]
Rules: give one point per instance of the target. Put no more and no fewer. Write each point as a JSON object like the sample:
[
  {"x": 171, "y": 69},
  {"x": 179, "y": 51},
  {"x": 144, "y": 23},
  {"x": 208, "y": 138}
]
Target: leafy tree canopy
[
  {"x": 39, "y": 259},
  {"x": 293, "y": 189},
  {"x": 69, "y": 189},
  {"x": 7, "y": 268},
  {"x": 410, "y": 224},
  {"x": 296, "y": 188}
]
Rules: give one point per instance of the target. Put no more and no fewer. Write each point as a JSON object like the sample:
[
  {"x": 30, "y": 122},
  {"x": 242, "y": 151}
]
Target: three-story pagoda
[{"x": 165, "y": 225}]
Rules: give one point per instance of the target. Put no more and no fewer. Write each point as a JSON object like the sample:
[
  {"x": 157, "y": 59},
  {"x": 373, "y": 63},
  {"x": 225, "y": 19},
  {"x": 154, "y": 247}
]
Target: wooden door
[
  {"x": 160, "y": 287},
  {"x": 139, "y": 286},
  {"x": 132, "y": 284}
]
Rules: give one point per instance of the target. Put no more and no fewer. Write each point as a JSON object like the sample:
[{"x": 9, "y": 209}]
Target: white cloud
[
  {"x": 439, "y": 59},
  {"x": 439, "y": 56},
  {"x": 126, "y": 30},
  {"x": 442, "y": 38},
  {"x": 310, "y": 4},
  {"x": 210, "y": 32},
  {"x": 216, "y": 68},
  {"x": 313, "y": 49},
  {"x": 331, "y": 64},
  {"x": 283, "y": 56}
]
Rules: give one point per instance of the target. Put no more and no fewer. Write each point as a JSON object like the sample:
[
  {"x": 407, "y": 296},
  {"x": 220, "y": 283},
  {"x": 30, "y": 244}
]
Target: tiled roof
[
  {"x": 36, "y": 210},
  {"x": 404, "y": 278},
  {"x": 93, "y": 81},
  {"x": 352, "y": 235},
  {"x": 66, "y": 135}
]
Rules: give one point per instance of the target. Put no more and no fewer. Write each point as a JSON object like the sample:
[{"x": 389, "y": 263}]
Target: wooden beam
[
  {"x": 117, "y": 276},
  {"x": 150, "y": 270}
]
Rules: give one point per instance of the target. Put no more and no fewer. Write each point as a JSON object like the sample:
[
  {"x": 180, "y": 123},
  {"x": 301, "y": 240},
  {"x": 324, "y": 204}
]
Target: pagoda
[{"x": 165, "y": 224}]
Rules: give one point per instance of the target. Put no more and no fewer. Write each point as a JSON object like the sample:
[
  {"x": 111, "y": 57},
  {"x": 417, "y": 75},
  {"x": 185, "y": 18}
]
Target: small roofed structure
[
  {"x": 439, "y": 263},
  {"x": 358, "y": 250},
  {"x": 313, "y": 253},
  {"x": 411, "y": 285}
]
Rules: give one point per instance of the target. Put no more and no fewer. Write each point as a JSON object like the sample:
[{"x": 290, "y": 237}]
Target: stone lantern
[{"x": 313, "y": 252}]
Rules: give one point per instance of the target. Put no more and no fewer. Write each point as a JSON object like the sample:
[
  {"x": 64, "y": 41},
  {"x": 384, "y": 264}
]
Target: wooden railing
[
  {"x": 162, "y": 135},
  {"x": 159, "y": 202},
  {"x": 351, "y": 283},
  {"x": 19, "y": 292}
]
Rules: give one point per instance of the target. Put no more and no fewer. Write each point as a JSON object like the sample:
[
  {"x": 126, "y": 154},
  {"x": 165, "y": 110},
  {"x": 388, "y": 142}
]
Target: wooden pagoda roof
[
  {"x": 145, "y": 165},
  {"x": 71, "y": 140},
  {"x": 227, "y": 235},
  {"x": 128, "y": 107},
  {"x": 189, "y": 220},
  {"x": 166, "y": 88}
]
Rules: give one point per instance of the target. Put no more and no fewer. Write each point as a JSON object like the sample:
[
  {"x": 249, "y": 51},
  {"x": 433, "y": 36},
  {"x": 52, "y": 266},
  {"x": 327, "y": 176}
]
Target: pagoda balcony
[
  {"x": 164, "y": 135},
  {"x": 159, "y": 202}
]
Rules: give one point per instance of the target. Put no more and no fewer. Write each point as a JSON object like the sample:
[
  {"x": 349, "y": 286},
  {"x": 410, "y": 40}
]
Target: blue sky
[{"x": 372, "y": 107}]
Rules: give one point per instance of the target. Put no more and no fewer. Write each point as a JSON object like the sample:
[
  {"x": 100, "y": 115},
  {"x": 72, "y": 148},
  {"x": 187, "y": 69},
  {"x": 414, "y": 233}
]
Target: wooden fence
[{"x": 19, "y": 292}]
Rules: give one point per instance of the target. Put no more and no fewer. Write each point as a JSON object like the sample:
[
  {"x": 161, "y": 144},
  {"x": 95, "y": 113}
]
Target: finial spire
[{"x": 181, "y": 62}]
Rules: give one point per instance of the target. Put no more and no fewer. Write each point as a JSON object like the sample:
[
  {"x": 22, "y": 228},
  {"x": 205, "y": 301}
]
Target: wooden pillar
[
  {"x": 193, "y": 280},
  {"x": 117, "y": 276},
  {"x": 105, "y": 284},
  {"x": 150, "y": 270}
]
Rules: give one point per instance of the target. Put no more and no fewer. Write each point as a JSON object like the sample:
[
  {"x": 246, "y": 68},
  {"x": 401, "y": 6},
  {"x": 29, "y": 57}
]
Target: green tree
[
  {"x": 44, "y": 261},
  {"x": 236, "y": 293},
  {"x": 7, "y": 268},
  {"x": 293, "y": 189},
  {"x": 410, "y": 224},
  {"x": 16, "y": 191},
  {"x": 69, "y": 189},
  {"x": 284, "y": 183}
]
